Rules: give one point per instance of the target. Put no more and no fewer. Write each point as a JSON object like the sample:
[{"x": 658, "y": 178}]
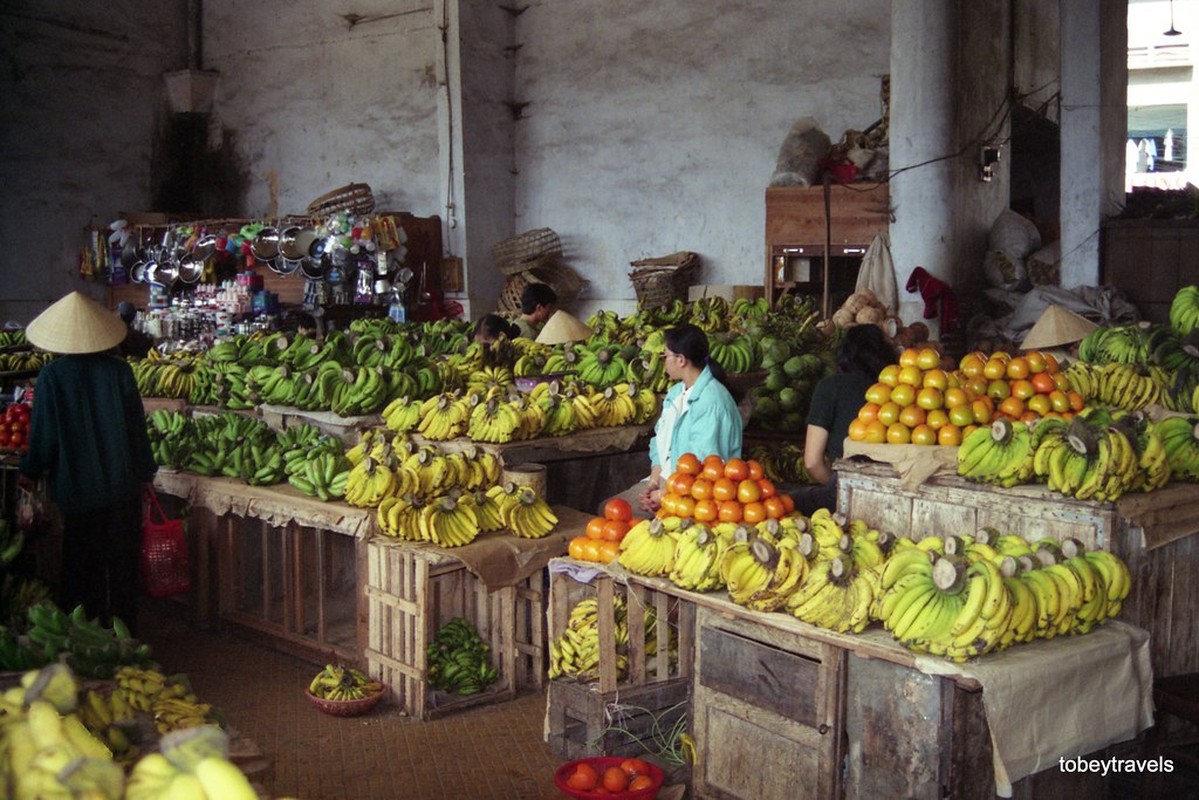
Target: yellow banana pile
[
  {"x": 648, "y": 548},
  {"x": 575, "y": 653},
  {"x": 967, "y": 596},
  {"x": 1089, "y": 461},
  {"x": 836, "y": 594},
  {"x": 110, "y": 719},
  {"x": 697, "y": 557},
  {"x": 1125, "y": 386}
]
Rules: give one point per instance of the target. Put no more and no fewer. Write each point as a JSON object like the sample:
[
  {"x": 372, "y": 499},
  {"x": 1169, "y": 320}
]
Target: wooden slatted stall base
[
  {"x": 1154, "y": 533},
  {"x": 651, "y": 693},
  {"x": 295, "y": 583},
  {"x": 412, "y": 592}
]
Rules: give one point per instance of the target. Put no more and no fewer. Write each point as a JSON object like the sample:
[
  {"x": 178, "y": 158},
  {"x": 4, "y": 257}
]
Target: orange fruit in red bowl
[{"x": 599, "y": 766}]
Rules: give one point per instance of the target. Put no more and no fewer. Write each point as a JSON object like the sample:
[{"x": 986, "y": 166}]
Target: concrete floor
[{"x": 491, "y": 751}]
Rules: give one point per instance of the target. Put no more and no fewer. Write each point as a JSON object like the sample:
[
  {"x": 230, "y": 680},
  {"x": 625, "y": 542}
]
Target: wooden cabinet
[
  {"x": 1150, "y": 260},
  {"x": 769, "y": 706},
  {"x": 797, "y": 237}
]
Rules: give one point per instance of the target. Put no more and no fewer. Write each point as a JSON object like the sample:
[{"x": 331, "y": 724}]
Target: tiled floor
[{"x": 492, "y": 751}]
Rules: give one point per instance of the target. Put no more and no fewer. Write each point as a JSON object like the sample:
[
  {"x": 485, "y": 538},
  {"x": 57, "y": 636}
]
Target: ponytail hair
[
  {"x": 491, "y": 326},
  {"x": 691, "y": 342}
]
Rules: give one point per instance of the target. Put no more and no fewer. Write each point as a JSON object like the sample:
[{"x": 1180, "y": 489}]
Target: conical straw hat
[
  {"x": 1057, "y": 326},
  {"x": 76, "y": 324},
  {"x": 563, "y": 327}
]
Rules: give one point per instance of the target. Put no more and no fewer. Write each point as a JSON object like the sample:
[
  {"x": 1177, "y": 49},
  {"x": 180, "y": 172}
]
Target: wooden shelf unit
[{"x": 797, "y": 236}]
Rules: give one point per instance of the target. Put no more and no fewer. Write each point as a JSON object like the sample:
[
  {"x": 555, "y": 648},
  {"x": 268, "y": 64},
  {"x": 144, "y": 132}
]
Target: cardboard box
[{"x": 727, "y": 291}]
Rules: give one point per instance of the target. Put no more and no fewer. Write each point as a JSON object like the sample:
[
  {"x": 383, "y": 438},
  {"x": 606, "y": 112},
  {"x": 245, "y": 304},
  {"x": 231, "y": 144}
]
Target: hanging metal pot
[
  {"x": 265, "y": 245},
  {"x": 296, "y": 242}
]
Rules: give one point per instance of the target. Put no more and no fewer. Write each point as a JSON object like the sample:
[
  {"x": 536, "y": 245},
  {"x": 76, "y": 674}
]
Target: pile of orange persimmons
[
  {"x": 601, "y": 542},
  {"x": 715, "y": 490},
  {"x": 917, "y": 401}
]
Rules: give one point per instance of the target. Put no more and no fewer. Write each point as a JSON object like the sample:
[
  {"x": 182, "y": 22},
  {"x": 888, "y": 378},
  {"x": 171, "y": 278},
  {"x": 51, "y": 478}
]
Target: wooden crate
[
  {"x": 948, "y": 504},
  {"x": 653, "y": 691},
  {"x": 630, "y": 721},
  {"x": 769, "y": 710},
  {"x": 566, "y": 592},
  {"x": 411, "y": 592}
]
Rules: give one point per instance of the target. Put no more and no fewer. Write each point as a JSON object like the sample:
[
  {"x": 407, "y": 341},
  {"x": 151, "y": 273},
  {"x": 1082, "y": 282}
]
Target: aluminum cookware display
[
  {"x": 297, "y": 243},
  {"x": 265, "y": 245}
]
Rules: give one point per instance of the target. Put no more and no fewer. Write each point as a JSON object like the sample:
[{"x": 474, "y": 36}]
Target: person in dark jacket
[
  {"x": 88, "y": 440},
  {"x": 135, "y": 343}
]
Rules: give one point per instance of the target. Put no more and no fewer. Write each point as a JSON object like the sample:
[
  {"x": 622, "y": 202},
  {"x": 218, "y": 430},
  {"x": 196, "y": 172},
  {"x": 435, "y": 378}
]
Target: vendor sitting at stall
[
  {"x": 492, "y": 326},
  {"x": 537, "y": 304},
  {"x": 863, "y": 353},
  {"x": 699, "y": 415}
]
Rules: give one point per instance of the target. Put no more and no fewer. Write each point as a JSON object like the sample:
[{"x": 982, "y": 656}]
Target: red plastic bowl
[{"x": 601, "y": 763}]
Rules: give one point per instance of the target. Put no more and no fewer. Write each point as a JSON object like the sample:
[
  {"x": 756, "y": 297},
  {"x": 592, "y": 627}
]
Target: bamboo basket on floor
[{"x": 659, "y": 281}]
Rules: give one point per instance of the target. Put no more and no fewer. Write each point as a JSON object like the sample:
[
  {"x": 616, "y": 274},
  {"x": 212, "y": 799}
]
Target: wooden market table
[
  {"x": 1154, "y": 533},
  {"x": 317, "y": 579},
  {"x": 779, "y": 703}
]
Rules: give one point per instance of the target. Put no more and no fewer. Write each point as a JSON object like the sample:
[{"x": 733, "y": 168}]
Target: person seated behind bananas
[
  {"x": 699, "y": 414},
  {"x": 491, "y": 326},
  {"x": 537, "y": 304},
  {"x": 863, "y": 353}
]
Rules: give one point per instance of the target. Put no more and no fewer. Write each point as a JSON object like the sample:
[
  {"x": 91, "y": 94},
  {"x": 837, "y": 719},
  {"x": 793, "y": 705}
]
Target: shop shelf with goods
[
  {"x": 816, "y": 237},
  {"x": 635, "y": 687}
]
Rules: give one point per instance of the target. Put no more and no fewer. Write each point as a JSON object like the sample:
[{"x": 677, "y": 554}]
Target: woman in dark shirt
[{"x": 863, "y": 353}]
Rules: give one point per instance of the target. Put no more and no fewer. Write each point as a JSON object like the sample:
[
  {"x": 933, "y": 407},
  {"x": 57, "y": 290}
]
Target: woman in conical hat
[{"x": 88, "y": 439}]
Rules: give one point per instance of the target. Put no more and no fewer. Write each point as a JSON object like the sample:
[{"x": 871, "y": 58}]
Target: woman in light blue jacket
[{"x": 699, "y": 415}]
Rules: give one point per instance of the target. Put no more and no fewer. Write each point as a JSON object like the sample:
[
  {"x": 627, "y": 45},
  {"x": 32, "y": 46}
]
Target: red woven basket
[{"x": 345, "y": 708}]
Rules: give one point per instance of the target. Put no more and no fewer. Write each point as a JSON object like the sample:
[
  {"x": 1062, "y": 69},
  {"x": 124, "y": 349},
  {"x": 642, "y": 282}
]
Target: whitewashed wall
[
  {"x": 316, "y": 103},
  {"x": 654, "y": 127}
]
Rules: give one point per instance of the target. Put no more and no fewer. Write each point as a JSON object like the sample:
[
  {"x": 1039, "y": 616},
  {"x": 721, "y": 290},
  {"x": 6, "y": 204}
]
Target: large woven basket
[
  {"x": 356, "y": 198},
  {"x": 659, "y": 281},
  {"x": 527, "y": 250},
  {"x": 514, "y": 287}
]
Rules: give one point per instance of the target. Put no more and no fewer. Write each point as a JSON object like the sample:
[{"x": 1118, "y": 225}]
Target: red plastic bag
[{"x": 165, "y": 568}]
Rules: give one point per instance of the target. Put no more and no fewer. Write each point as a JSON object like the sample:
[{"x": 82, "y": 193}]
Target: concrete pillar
[
  {"x": 922, "y": 130},
  {"x": 1094, "y": 81},
  {"x": 476, "y": 117}
]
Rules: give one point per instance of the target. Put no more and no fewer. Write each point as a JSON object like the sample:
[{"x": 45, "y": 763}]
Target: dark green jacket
[{"x": 88, "y": 432}]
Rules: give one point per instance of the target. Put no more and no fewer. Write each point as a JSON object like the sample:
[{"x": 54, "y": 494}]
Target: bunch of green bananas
[
  {"x": 459, "y": 661},
  {"x": 24, "y": 360},
  {"x": 1000, "y": 454},
  {"x": 1180, "y": 438},
  {"x": 1184, "y": 310},
  {"x": 733, "y": 351},
  {"x": 1117, "y": 344},
  {"x": 605, "y": 365}
]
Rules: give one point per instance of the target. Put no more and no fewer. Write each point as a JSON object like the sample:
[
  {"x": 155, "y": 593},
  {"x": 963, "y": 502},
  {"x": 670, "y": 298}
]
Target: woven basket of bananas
[{"x": 345, "y": 708}]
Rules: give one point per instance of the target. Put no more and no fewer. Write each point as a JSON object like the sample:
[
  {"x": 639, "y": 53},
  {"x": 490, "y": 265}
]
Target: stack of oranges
[
  {"x": 918, "y": 402},
  {"x": 715, "y": 490},
  {"x": 601, "y": 542}
]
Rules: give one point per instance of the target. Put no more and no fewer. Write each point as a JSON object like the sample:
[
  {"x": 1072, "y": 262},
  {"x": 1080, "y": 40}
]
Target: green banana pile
[
  {"x": 964, "y": 596},
  {"x": 459, "y": 661},
  {"x": 90, "y": 648},
  {"x": 339, "y": 682}
]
